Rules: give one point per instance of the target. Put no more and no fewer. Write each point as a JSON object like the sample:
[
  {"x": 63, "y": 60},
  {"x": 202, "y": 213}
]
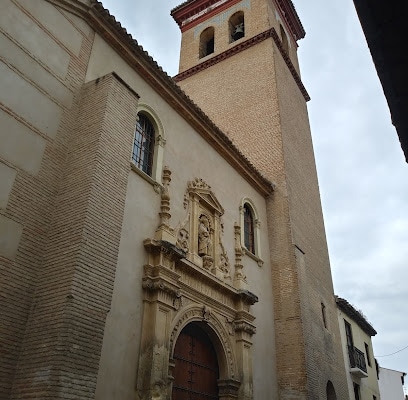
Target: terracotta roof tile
[{"x": 356, "y": 316}]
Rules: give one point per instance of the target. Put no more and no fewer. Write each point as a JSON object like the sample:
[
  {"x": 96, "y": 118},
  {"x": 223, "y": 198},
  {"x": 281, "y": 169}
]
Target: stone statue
[{"x": 204, "y": 239}]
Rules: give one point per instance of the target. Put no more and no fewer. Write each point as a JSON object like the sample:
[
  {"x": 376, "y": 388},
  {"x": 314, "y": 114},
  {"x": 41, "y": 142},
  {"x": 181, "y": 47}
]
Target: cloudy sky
[{"x": 362, "y": 172}]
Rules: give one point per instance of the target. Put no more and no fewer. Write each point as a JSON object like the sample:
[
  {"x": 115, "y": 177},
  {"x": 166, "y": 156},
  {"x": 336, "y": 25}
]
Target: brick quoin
[{"x": 65, "y": 329}]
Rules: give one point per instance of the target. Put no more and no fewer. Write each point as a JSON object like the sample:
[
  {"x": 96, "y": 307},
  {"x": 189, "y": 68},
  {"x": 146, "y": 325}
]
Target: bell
[{"x": 238, "y": 31}]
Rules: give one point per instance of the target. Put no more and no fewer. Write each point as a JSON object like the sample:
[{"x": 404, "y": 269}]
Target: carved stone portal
[{"x": 187, "y": 280}]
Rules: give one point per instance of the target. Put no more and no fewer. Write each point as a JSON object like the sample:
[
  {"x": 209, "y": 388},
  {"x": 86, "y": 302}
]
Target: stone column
[{"x": 161, "y": 300}]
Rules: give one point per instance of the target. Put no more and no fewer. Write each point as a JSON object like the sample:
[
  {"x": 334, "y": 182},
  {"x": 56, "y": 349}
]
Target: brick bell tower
[{"x": 239, "y": 63}]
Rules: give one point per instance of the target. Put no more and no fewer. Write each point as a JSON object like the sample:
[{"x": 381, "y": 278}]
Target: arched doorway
[
  {"x": 330, "y": 392},
  {"x": 196, "y": 369}
]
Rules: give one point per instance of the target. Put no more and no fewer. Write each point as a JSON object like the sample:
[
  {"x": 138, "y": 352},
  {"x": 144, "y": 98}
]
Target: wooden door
[{"x": 196, "y": 366}]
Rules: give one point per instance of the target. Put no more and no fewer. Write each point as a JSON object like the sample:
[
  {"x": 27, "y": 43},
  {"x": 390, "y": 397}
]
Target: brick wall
[
  {"x": 322, "y": 346},
  {"x": 33, "y": 196},
  {"x": 63, "y": 340},
  {"x": 253, "y": 97}
]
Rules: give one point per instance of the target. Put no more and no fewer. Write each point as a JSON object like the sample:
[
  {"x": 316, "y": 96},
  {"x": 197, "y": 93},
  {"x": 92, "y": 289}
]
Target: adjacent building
[
  {"x": 391, "y": 384},
  {"x": 383, "y": 29},
  {"x": 361, "y": 366},
  {"x": 156, "y": 245}
]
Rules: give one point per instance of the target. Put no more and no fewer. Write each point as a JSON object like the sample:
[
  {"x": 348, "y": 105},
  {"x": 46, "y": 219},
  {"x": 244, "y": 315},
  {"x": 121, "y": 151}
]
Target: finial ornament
[
  {"x": 164, "y": 231},
  {"x": 165, "y": 198}
]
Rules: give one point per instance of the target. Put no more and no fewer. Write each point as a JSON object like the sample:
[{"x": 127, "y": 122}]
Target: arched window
[
  {"x": 284, "y": 39},
  {"x": 206, "y": 42},
  {"x": 330, "y": 392},
  {"x": 323, "y": 307},
  {"x": 237, "y": 26},
  {"x": 143, "y": 146},
  {"x": 249, "y": 229}
]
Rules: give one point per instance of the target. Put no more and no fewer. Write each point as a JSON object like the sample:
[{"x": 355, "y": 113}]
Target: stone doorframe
[
  {"x": 228, "y": 385},
  {"x": 176, "y": 293}
]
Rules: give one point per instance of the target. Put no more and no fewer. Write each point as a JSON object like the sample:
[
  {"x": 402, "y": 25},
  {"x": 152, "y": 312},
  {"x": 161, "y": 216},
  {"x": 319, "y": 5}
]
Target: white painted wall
[{"x": 391, "y": 385}]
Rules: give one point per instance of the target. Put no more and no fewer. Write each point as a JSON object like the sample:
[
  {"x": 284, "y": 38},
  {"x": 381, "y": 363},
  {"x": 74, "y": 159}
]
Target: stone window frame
[
  {"x": 159, "y": 144},
  {"x": 257, "y": 255}
]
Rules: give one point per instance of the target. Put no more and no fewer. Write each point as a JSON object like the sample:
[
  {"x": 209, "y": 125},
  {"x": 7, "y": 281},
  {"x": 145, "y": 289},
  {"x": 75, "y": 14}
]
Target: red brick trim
[
  {"x": 192, "y": 7},
  {"x": 288, "y": 11},
  {"x": 270, "y": 33},
  {"x": 216, "y": 10}
]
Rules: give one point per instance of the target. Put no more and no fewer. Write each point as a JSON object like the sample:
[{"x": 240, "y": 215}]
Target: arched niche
[
  {"x": 236, "y": 26},
  {"x": 330, "y": 392},
  {"x": 207, "y": 42}
]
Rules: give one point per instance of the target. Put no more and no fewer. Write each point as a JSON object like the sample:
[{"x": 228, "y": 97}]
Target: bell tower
[{"x": 239, "y": 63}]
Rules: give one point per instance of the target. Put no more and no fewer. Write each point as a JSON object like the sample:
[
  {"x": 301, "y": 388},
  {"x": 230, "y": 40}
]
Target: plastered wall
[{"x": 188, "y": 156}]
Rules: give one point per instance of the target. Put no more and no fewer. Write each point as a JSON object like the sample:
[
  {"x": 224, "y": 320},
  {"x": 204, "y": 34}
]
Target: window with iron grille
[
  {"x": 143, "y": 146},
  {"x": 249, "y": 233}
]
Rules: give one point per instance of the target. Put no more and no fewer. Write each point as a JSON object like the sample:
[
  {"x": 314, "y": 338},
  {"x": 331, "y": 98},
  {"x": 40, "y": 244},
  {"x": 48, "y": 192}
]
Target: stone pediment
[
  {"x": 204, "y": 193},
  {"x": 208, "y": 200}
]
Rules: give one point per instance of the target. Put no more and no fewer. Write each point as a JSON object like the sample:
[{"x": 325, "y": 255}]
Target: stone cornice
[
  {"x": 191, "y": 9},
  {"x": 245, "y": 296},
  {"x": 112, "y": 31},
  {"x": 288, "y": 11},
  {"x": 196, "y": 12},
  {"x": 270, "y": 33}
]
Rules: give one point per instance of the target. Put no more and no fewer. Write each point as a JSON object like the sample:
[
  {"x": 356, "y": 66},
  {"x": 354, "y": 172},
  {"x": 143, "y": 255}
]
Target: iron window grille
[
  {"x": 143, "y": 146},
  {"x": 249, "y": 233}
]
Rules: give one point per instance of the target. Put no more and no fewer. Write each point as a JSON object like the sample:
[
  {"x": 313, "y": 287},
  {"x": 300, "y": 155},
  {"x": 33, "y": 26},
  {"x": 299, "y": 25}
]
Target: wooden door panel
[{"x": 196, "y": 366}]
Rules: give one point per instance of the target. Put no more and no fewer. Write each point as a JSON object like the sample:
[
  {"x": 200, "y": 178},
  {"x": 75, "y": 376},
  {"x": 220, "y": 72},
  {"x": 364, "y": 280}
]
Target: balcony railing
[{"x": 357, "y": 361}]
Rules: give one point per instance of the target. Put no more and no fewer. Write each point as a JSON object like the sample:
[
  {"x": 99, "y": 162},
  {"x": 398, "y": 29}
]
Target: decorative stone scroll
[
  {"x": 183, "y": 239},
  {"x": 224, "y": 263}
]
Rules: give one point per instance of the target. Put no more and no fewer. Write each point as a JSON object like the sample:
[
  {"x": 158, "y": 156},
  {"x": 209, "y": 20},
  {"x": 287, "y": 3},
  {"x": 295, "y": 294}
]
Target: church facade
[{"x": 156, "y": 245}]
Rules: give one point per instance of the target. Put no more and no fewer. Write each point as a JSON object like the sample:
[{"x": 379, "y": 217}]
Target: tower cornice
[
  {"x": 288, "y": 11},
  {"x": 193, "y": 12}
]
